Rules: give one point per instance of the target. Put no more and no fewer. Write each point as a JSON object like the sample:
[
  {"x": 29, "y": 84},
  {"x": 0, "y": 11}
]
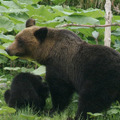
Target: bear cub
[{"x": 27, "y": 89}]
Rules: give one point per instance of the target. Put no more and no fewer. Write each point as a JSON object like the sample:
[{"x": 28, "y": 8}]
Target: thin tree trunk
[{"x": 108, "y": 18}]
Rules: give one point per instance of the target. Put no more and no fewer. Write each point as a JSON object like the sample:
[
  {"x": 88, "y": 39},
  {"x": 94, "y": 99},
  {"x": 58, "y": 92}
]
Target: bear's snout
[
  {"x": 13, "y": 49},
  {"x": 7, "y": 50}
]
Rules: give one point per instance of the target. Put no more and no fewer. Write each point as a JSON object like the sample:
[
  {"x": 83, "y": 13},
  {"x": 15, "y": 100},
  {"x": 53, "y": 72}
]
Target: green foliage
[
  {"x": 5, "y": 24},
  {"x": 95, "y": 34},
  {"x": 117, "y": 45},
  {"x": 93, "y": 115},
  {"x": 58, "y": 1},
  {"x": 28, "y": 117},
  {"x": 39, "y": 71},
  {"x": 6, "y": 110},
  {"x": 116, "y": 32}
]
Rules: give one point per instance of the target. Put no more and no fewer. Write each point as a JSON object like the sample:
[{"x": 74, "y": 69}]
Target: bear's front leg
[{"x": 61, "y": 93}]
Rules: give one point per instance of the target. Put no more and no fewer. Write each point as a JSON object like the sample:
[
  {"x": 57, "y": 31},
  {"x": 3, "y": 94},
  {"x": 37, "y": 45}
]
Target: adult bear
[
  {"x": 93, "y": 71},
  {"x": 27, "y": 89}
]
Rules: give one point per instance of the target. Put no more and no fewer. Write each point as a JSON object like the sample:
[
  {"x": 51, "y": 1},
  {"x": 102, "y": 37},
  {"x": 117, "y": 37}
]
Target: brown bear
[
  {"x": 93, "y": 71},
  {"x": 27, "y": 89}
]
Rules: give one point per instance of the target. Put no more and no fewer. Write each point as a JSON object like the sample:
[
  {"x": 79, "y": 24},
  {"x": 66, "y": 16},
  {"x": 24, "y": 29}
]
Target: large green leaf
[
  {"x": 62, "y": 10},
  {"x": 28, "y": 1},
  {"x": 3, "y": 52},
  {"x": 113, "y": 111},
  {"x": 5, "y": 45},
  {"x": 3, "y": 9},
  {"x": 19, "y": 27},
  {"x": 27, "y": 117},
  {"x": 92, "y": 115},
  {"x": 58, "y": 1},
  {"x": 94, "y": 13},
  {"x": 22, "y": 69},
  {"x": 12, "y": 68},
  {"x": 117, "y": 44},
  {"x": 5, "y": 24},
  {"x": 43, "y": 11},
  {"x": 1, "y": 47},
  {"x": 84, "y": 30},
  {"x": 12, "y": 10},
  {"x": 116, "y": 33},
  {"x": 79, "y": 19},
  {"x": 3, "y": 59},
  {"x": 95, "y": 34},
  {"x": 6, "y": 38},
  {"x": 21, "y": 16},
  {"x": 10, "y": 4},
  {"x": 7, "y": 110},
  {"x": 50, "y": 23},
  {"x": 116, "y": 18},
  {"x": 40, "y": 71},
  {"x": 11, "y": 7}
]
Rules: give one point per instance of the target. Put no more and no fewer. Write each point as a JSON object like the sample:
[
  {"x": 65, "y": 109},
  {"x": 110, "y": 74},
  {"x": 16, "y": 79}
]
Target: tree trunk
[{"x": 108, "y": 18}]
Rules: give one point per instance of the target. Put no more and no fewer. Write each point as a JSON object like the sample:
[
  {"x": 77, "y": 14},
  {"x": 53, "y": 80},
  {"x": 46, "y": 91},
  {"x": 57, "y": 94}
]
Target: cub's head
[{"x": 33, "y": 42}]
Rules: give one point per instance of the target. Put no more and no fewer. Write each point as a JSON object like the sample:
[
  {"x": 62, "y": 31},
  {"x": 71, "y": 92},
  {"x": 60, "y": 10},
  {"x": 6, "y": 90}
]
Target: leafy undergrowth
[{"x": 7, "y": 113}]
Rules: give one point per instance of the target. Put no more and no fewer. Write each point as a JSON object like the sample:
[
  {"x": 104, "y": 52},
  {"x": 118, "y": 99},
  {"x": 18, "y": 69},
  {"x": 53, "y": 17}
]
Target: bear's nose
[{"x": 7, "y": 50}]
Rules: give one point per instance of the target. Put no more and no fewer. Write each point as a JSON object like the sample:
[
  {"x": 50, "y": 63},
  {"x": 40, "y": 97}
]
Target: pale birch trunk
[{"x": 108, "y": 18}]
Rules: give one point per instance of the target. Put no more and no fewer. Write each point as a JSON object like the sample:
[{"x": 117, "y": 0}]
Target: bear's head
[
  {"x": 32, "y": 42},
  {"x": 44, "y": 45}
]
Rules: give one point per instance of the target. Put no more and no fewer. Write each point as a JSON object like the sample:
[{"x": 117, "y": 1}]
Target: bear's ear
[
  {"x": 30, "y": 22},
  {"x": 41, "y": 34}
]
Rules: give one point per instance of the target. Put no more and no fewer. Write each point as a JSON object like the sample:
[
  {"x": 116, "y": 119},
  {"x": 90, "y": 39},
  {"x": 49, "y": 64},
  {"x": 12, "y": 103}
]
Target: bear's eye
[{"x": 20, "y": 43}]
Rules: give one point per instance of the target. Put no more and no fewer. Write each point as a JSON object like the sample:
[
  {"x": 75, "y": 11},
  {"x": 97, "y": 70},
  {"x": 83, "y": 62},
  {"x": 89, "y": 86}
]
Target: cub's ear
[
  {"x": 41, "y": 34},
  {"x": 30, "y": 22}
]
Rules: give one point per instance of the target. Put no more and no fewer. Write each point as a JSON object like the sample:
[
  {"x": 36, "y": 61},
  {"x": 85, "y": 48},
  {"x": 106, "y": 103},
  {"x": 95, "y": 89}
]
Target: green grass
[{"x": 27, "y": 114}]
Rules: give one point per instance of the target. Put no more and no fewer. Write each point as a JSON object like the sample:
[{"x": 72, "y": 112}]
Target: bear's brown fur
[{"x": 93, "y": 71}]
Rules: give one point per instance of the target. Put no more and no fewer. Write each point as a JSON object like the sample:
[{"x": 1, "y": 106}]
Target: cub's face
[{"x": 28, "y": 42}]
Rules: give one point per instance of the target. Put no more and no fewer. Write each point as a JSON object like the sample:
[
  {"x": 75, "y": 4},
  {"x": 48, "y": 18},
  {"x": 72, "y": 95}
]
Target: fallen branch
[{"x": 91, "y": 26}]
